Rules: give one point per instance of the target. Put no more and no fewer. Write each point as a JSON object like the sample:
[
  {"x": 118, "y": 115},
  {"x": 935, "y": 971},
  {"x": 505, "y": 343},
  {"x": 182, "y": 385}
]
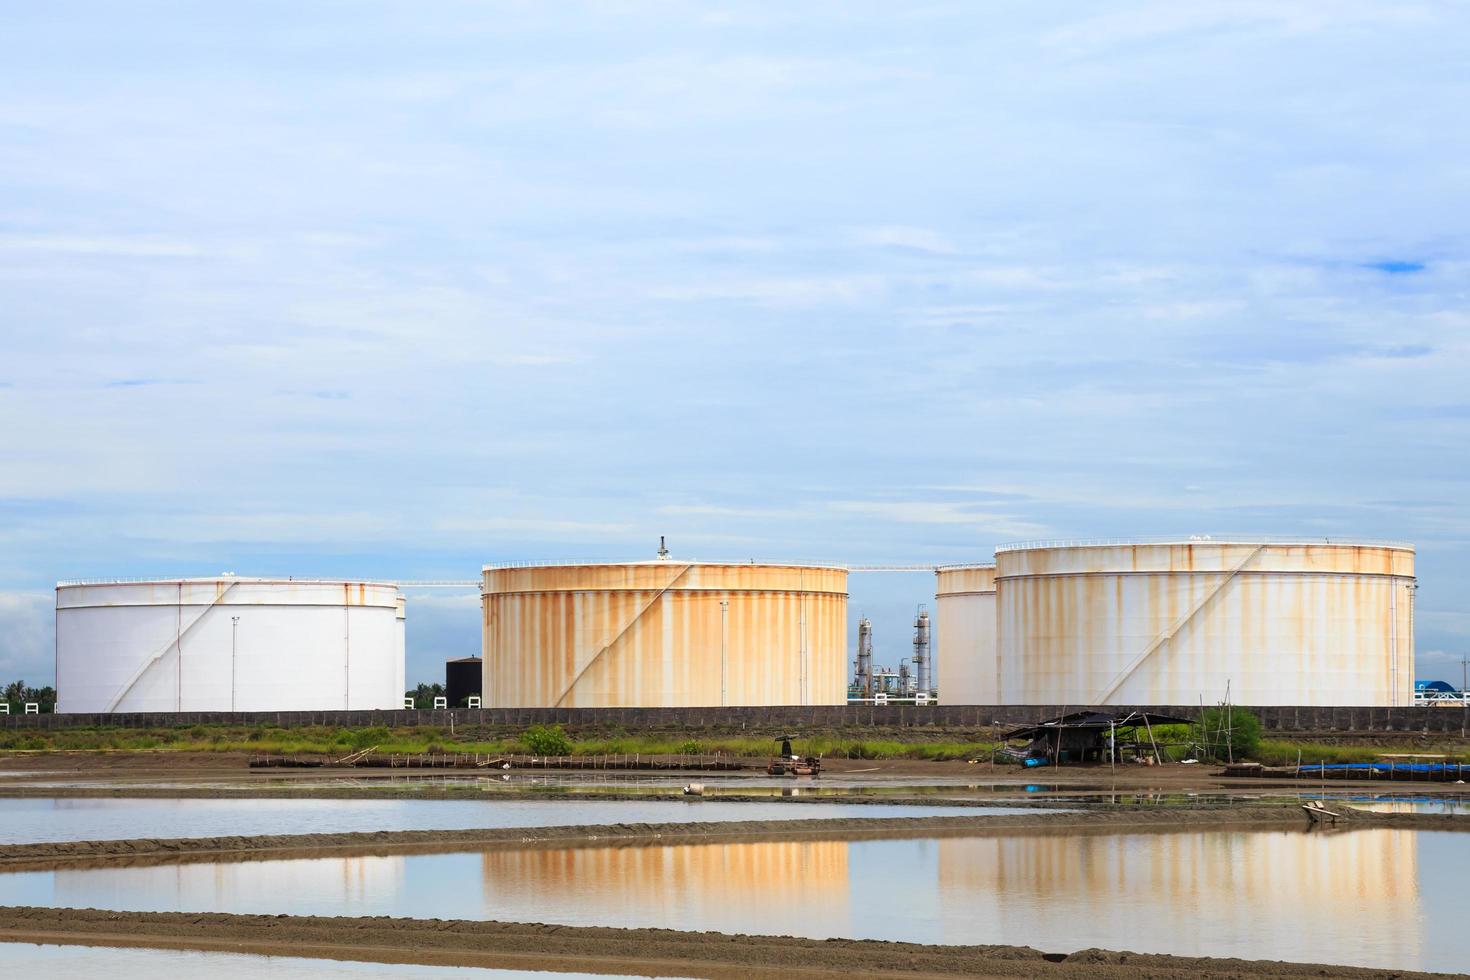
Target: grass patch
[
  {"x": 337, "y": 741},
  {"x": 334, "y": 741},
  {"x": 1275, "y": 752}
]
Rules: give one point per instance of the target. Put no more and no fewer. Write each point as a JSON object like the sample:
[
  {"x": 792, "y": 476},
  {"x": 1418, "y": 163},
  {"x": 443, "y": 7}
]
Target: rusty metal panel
[
  {"x": 964, "y": 599},
  {"x": 1300, "y": 624},
  {"x": 651, "y": 634}
]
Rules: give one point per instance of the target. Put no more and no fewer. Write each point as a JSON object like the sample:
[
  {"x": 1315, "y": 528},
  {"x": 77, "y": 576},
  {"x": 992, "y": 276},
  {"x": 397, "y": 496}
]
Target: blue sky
[{"x": 398, "y": 289}]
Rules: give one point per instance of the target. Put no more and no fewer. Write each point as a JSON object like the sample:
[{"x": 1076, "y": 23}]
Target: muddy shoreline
[
  {"x": 1110, "y": 820},
  {"x": 91, "y": 774},
  {"x": 594, "y": 949}
]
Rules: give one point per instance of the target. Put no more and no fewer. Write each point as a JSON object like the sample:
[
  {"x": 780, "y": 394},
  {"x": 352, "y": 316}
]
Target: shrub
[
  {"x": 546, "y": 740},
  {"x": 691, "y": 747},
  {"x": 368, "y": 737},
  {"x": 1228, "y": 733}
]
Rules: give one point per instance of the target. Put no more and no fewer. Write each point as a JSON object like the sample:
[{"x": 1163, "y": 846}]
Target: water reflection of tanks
[
  {"x": 1277, "y": 888},
  {"x": 924, "y": 679},
  {"x": 349, "y": 885},
  {"x": 759, "y": 888}
]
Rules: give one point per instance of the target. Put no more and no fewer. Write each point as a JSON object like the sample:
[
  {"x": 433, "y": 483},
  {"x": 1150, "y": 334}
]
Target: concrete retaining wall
[{"x": 1441, "y": 720}]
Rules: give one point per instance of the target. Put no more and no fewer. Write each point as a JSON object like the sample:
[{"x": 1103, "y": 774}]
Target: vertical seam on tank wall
[
  {"x": 1393, "y": 644},
  {"x": 346, "y": 646},
  {"x": 802, "y": 598},
  {"x": 179, "y": 647}
]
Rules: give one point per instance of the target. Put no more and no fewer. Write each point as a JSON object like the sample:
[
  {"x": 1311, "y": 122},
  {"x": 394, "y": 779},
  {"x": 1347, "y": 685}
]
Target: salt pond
[
  {"x": 1376, "y": 897},
  {"x": 26, "y": 821},
  {"x": 88, "y": 962}
]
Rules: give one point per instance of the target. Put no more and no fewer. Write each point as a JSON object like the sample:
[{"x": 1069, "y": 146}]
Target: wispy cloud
[
  {"x": 533, "y": 525},
  {"x": 144, "y": 382},
  {"x": 911, "y": 239},
  {"x": 141, "y": 247},
  {"x": 937, "y": 512},
  {"x": 1396, "y": 267},
  {"x": 27, "y": 625},
  {"x": 896, "y": 285}
]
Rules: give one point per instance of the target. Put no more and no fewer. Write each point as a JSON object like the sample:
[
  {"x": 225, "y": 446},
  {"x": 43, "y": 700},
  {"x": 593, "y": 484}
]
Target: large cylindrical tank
[
  {"x": 664, "y": 634},
  {"x": 964, "y": 599},
  {"x": 228, "y": 643},
  {"x": 1279, "y": 623}
]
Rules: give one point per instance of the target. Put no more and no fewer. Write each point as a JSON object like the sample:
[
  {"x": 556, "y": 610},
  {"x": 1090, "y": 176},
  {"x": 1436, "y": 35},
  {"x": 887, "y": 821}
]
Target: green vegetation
[
  {"x": 544, "y": 740},
  {"x": 1175, "y": 743},
  {"x": 424, "y": 695},
  {"x": 539, "y": 740},
  {"x": 1275, "y": 752},
  {"x": 18, "y": 693},
  {"x": 1228, "y": 734}
]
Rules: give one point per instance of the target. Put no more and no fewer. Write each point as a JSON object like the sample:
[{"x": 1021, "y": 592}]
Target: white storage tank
[
  {"x": 228, "y": 644},
  {"x": 964, "y": 599},
  {"x": 1172, "y": 623}
]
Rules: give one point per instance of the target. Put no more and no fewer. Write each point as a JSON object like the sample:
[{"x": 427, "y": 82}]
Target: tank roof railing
[
  {"x": 255, "y": 579},
  {"x": 1203, "y": 539},
  {"x": 774, "y": 563}
]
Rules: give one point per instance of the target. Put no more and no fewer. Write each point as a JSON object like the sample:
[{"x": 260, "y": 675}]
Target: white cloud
[
  {"x": 27, "y": 629},
  {"x": 898, "y": 236},
  {"x": 638, "y": 272},
  {"x": 1154, "y": 22},
  {"x": 795, "y": 292},
  {"x": 140, "y": 247},
  {"x": 933, "y": 512},
  {"x": 532, "y": 525},
  {"x": 716, "y": 510}
]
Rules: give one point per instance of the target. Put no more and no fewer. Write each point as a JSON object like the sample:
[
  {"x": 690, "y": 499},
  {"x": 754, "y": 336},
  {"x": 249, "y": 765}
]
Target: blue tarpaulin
[{"x": 1424, "y": 767}]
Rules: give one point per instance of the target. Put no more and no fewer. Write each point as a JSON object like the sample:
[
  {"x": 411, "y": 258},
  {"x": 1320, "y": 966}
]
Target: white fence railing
[
  {"x": 1199, "y": 539},
  {"x": 1450, "y": 699}
]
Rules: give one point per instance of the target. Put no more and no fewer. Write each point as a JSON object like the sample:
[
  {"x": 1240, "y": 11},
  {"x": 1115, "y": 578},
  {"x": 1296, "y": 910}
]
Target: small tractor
[{"x": 788, "y": 763}]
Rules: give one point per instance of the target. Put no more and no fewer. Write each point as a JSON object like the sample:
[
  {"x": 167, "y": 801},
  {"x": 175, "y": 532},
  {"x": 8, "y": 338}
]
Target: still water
[
  {"x": 29, "y": 821},
  {"x": 88, "y": 962},
  {"x": 1457, "y": 807},
  {"x": 1379, "y": 897}
]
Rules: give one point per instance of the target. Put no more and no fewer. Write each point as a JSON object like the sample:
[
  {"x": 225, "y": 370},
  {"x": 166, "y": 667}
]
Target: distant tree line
[
  {"x": 18, "y": 693},
  {"x": 424, "y": 695}
]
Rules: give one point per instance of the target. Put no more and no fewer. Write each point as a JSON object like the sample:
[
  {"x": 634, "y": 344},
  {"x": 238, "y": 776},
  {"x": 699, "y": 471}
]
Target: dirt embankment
[
  {"x": 1111, "y": 820},
  {"x": 656, "y": 952},
  {"x": 225, "y": 775}
]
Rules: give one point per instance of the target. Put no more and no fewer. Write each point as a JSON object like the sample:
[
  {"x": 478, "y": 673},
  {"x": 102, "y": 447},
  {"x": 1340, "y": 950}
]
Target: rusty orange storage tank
[
  {"x": 664, "y": 634},
  {"x": 1280, "y": 622},
  {"x": 964, "y": 599}
]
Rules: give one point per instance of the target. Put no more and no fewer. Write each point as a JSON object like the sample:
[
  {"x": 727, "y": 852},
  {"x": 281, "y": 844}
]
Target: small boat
[{"x": 1318, "y": 813}]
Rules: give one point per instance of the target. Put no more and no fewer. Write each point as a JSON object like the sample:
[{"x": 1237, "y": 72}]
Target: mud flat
[
  {"x": 224, "y": 775},
  {"x": 654, "y": 952},
  {"x": 1109, "y": 820}
]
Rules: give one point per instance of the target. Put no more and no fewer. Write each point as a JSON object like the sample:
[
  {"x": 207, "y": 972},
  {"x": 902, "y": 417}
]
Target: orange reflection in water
[
  {"x": 1287, "y": 895},
  {"x": 778, "y": 887}
]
